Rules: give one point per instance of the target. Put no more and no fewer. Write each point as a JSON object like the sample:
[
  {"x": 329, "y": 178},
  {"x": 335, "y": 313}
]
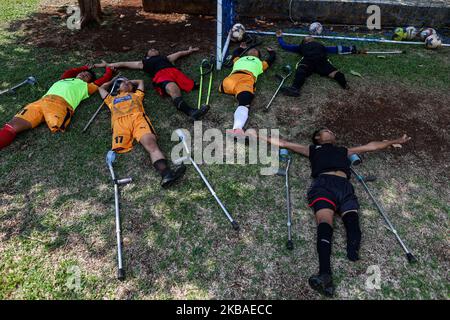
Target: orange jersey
[{"x": 125, "y": 104}]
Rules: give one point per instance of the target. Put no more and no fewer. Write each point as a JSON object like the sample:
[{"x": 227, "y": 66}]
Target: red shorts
[{"x": 164, "y": 76}]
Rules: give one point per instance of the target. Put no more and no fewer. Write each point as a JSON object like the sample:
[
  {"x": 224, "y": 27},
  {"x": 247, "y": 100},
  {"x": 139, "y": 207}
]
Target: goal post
[{"x": 225, "y": 20}]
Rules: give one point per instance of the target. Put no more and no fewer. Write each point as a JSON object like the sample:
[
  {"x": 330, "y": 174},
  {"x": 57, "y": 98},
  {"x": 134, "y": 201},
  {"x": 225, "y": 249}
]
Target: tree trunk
[{"x": 91, "y": 12}]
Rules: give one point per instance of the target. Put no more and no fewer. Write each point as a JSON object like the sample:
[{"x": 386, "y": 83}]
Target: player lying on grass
[
  {"x": 167, "y": 79},
  {"x": 331, "y": 192},
  {"x": 58, "y": 105},
  {"x": 315, "y": 60},
  {"x": 242, "y": 81},
  {"x": 129, "y": 122}
]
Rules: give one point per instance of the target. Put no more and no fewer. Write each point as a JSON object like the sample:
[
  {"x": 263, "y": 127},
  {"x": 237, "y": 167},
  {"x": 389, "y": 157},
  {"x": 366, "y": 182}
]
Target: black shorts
[
  {"x": 332, "y": 192},
  {"x": 322, "y": 67}
]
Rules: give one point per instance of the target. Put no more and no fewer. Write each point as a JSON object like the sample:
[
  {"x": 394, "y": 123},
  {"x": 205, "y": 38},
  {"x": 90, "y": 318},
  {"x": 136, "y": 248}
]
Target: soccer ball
[
  {"x": 399, "y": 34},
  {"x": 433, "y": 42},
  {"x": 237, "y": 32},
  {"x": 315, "y": 28},
  {"x": 425, "y": 33},
  {"x": 411, "y": 33}
]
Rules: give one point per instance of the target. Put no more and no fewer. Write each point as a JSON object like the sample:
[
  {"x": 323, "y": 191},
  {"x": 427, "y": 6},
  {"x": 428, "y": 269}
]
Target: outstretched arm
[
  {"x": 109, "y": 73},
  {"x": 295, "y": 147},
  {"x": 288, "y": 47},
  {"x": 136, "y": 65},
  {"x": 72, "y": 73},
  {"x": 177, "y": 55},
  {"x": 378, "y": 145}
]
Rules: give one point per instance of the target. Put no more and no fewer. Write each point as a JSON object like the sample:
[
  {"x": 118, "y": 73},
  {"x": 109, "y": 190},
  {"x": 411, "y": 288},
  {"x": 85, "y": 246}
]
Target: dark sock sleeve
[
  {"x": 340, "y": 78},
  {"x": 245, "y": 98},
  {"x": 181, "y": 105},
  {"x": 162, "y": 167},
  {"x": 351, "y": 224},
  {"x": 324, "y": 235},
  {"x": 7, "y": 136}
]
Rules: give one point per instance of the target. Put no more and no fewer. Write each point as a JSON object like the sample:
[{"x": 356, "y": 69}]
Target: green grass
[
  {"x": 56, "y": 208},
  {"x": 16, "y": 9}
]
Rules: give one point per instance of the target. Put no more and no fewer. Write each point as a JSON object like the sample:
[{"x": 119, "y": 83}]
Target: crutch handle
[{"x": 124, "y": 181}]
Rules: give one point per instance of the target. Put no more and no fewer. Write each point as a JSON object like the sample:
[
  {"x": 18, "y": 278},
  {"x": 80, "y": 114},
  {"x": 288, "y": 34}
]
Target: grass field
[{"x": 57, "y": 203}]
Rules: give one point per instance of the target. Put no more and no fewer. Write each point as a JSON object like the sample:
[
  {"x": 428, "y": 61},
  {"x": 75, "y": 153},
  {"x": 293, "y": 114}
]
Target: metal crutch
[
  {"x": 182, "y": 137},
  {"x": 110, "y": 158},
  {"x": 287, "y": 73},
  {"x": 114, "y": 87},
  {"x": 286, "y": 157},
  {"x": 356, "y": 160},
  {"x": 30, "y": 80},
  {"x": 209, "y": 67}
]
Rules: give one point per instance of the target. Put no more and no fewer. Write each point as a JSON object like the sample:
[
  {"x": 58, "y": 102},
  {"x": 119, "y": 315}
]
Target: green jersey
[
  {"x": 249, "y": 63},
  {"x": 72, "y": 90}
]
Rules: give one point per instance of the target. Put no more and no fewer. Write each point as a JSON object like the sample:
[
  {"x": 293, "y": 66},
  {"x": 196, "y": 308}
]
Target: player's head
[
  {"x": 322, "y": 136},
  {"x": 307, "y": 39},
  {"x": 87, "y": 76},
  {"x": 254, "y": 52},
  {"x": 126, "y": 86},
  {"x": 152, "y": 52}
]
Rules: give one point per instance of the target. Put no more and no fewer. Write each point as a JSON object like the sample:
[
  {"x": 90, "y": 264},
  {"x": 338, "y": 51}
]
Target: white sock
[{"x": 240, "y": 117}]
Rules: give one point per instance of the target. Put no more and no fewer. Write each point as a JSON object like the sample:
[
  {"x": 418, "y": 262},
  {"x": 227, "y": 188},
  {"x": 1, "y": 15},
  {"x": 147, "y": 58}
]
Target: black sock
[
  {"x": 340, "y": 78},
  {"x": 351, "y": 223},
  {"x": 324, "y": 234},
  {"x": 162, "y": 167},
  {"x": 181, "y": 105}
]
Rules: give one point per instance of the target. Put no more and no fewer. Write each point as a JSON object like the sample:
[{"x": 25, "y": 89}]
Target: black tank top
[
  {"x": 328, "y": 157},
  {"x": 314, "y": 51},
  {"x": 156, "y": 63}
]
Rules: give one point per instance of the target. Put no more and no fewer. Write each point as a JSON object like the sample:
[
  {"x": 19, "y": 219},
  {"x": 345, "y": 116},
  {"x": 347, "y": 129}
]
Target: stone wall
[{"x": 393, "y": 12}]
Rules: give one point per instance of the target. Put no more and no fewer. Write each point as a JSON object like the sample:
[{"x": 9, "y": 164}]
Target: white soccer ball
[
  {"x": 315, "y": 28},
  {"x": 433, "y": 42},
  {"x": 425, "y": 33},
  {"x": 237, "y": 32},
  {"x": 411, "y": 33}
]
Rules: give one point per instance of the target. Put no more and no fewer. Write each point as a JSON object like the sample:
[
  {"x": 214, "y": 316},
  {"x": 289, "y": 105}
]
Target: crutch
[
  {"x": 114, "y": 88},
  {"x": 356, "y": 160},
  {"x": 182, "y": 137},
  {"x": 376, "y": 52},
  {"x": 110, "y": 158},
  {"x": 206, "y": 67},
  {"x": 287, "y": 71},
  {"x": 30, "y": 80},
  {"x": 286, "y": 157}
]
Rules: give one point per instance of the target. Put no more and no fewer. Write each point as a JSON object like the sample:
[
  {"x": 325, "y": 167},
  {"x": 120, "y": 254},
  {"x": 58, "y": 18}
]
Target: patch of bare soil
[
  {"x": 125, "y": 27},
  {"x": 374, "y": 113}
]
